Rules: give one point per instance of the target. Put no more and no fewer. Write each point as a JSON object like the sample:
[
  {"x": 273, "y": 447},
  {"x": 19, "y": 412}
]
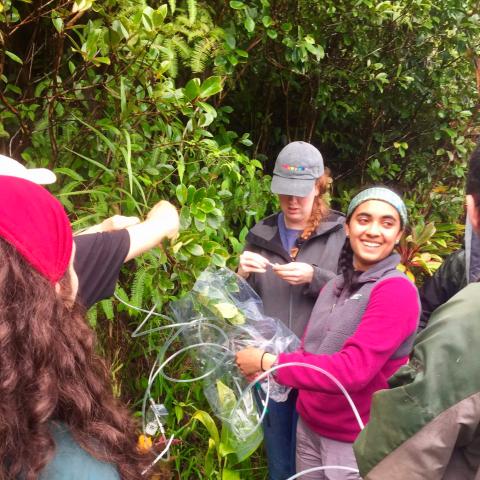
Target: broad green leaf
[
  {"x": 208, "y": 422},
  {"x": 267, "y": 21},
  {"x": 101, "y": 60},
  {"x": 272, "y": 34},
  {"x": 426, "y": 234},
  {"x": 226, "y": 310},
  {"x": 209, "y": 457},
  {"x": 228, "y": 474},
  {"x": 210, "y": 86},
  {"x": 241, "y": 53},
  {"x": 179, "y": 413},
  {"x": 249, "y": 24},
  {"x": 118, "y": 27},
  {"x": 58, "y": 24},
  {"x": 237, "y": 5},
  {"x": 81, "y": 5},
  {"x": 181, "y": 193},
  {"x": 192, "y": 89},
  {"x": 159, "y": 15},
  {"x": 206, "y": 205},
  {"x": 194, "y": 249},
  {"x": 14, "y": 57}
]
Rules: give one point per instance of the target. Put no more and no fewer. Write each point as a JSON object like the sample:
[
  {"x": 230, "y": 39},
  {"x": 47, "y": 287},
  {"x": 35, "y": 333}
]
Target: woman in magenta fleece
[{"x": 361, "y": 330}]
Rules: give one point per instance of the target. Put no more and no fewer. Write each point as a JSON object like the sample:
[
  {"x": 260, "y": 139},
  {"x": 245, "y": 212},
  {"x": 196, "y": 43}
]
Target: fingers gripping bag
[{"x": 225, "y": 315}]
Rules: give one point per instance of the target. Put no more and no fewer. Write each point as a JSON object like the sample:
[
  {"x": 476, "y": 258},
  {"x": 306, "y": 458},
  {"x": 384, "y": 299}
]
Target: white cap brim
[
  {"x": 12, "y": 168},
  {"x": 41, "y": 176}
]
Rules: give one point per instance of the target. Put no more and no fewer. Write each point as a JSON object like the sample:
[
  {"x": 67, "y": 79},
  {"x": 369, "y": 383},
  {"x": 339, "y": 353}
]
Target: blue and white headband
[{"x": 383, "y": 194}]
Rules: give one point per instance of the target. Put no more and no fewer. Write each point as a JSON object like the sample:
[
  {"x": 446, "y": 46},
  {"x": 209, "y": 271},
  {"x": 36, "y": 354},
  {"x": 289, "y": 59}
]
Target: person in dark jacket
[
  {"x": 288, "y": 258},
  {"x": 457, "y": 270},
  {"x": 426, "y": 426}
]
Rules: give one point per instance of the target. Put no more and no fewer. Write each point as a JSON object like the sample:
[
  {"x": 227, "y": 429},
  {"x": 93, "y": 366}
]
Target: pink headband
[{"x": 35, "y": 223}]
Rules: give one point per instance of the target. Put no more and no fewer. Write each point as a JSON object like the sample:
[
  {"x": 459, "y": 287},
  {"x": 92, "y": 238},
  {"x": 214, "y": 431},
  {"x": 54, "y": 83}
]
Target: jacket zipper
[{"x": 290, "y": 306}]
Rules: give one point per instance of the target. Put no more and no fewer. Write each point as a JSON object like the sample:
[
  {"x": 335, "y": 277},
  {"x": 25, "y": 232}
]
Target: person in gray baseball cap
[
  {"x": 287, "y": 259},
  {"x": 297, "y": 168}
]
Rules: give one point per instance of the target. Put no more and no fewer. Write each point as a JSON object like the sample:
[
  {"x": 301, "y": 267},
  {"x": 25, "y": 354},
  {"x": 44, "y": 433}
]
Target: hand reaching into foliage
[
  {"x": 117, "y": 222},
  {"x": 162, "y": 222},
  {"x": 165, "y": 215}
]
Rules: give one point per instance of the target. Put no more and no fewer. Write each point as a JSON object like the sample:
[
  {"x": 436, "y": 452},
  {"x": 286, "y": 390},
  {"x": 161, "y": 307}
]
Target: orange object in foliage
[{"x": 144, "y": 443}]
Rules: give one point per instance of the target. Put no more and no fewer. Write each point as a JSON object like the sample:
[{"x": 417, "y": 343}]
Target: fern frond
[
  {"x": 202, "y": 53},
  {"x": 217, "y": 33},
  {"x": 121, "y": 293},
  {"x": 192, "y": 10},
  {"x": 188, "y": 32},
  {"x": 92, "y": 316},
  {"x": 173, "y": 5},
  {"x": 183, "y": 20},
  {"x": 168, "y": 52},
  {"x": 107, "y": 307},
  {"x": 138, "y": 287},
  {"x": 182, "y": 47},
  {"x": 204, "y": 18}
]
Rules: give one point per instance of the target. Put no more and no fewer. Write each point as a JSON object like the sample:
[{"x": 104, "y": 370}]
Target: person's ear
[
  {"x": 399, "y": 236},
  {"x": 347, "y": 229},
  {"x": 473, "y": 213}
]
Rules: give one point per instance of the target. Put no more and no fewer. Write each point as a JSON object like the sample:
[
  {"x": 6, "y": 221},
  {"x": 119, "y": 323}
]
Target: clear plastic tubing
[
  {"x": 318, "y": 469},
  {"x": 297, "y": 364}
]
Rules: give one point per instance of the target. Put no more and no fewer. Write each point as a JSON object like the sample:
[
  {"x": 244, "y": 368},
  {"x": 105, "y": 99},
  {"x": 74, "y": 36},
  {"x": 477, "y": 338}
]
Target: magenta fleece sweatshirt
[{"x": 362, "y": 366}]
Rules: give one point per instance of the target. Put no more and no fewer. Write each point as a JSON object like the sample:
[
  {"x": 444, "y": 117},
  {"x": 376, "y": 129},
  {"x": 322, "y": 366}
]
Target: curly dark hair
[{"x": 49, "y": 372}]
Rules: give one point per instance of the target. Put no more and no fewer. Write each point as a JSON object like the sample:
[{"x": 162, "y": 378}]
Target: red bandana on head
[{"x": 35, "y": 223}]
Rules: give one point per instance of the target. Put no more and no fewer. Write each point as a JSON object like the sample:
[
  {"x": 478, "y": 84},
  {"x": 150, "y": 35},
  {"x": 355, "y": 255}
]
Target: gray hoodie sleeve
[{"x": 320, "y": 277}]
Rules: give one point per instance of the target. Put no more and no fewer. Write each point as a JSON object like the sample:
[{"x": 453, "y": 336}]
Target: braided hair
[
  {"x": 320, "y": 210},
  {"x": 345, "y": 264}
]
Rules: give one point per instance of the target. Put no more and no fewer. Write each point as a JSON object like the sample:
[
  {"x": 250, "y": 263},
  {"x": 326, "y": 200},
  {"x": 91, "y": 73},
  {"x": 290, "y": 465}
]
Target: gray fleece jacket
[{"x": 292, "y": 304}]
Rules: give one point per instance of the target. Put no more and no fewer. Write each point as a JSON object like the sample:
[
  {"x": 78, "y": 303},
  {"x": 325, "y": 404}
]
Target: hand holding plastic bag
[{"x": 225, "y": 311}]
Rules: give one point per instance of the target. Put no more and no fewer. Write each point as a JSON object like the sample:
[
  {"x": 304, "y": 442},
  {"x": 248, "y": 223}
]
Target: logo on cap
[{"x": 293, "y": 168}]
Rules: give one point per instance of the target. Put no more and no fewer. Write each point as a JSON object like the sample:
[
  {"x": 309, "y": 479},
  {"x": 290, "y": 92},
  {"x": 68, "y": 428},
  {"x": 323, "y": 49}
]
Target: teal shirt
[{"x": 73, "y": 463}]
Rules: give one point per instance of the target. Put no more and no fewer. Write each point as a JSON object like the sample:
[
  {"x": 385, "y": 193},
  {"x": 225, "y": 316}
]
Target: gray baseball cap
[{"x": 297, "y": 167}]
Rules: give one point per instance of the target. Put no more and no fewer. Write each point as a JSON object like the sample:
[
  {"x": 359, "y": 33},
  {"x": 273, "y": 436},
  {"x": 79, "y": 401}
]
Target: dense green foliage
[{"x": 132, "y": 101}]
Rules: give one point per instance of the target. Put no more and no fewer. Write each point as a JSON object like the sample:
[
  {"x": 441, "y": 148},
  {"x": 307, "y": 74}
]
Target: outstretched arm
[{"x": 162, "y": 222}]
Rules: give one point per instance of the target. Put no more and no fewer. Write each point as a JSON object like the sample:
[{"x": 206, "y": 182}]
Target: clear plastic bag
[{"x": 226, "y": 315}]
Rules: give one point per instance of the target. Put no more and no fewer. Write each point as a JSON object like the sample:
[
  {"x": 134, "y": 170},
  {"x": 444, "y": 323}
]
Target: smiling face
[
  {"x": 373, "y": 229},
  {"x": 297, "y": 210}
]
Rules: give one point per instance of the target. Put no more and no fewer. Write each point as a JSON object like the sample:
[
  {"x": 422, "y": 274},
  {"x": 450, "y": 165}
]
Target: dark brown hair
[{"x": 49, "y": 372}]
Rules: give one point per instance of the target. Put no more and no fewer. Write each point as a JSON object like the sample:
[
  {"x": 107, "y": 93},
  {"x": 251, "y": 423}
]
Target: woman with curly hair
[
  {"x": 288, "y": 258},
  {"x": 58, "y": 416}
]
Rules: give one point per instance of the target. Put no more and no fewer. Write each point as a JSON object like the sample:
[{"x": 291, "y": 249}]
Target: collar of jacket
[
  {"x": 265, "y": 233},
  {"x": 372, "y": 274}
]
